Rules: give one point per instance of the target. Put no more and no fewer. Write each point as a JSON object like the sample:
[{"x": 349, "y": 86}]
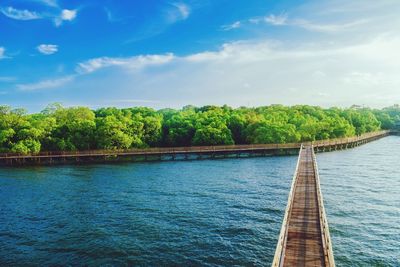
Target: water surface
[
  {"x": 361, "y": 189},
  {"x": 208, "y": 213}
]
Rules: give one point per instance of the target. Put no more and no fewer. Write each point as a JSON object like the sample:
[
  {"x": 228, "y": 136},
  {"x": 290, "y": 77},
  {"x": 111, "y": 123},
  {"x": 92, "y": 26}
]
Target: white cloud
[
  {"x": 239, "y": 52},
  {"x": 46, "y": 84},
  {"x": 327, "y": 28},
  {"x": 132, "y": 63},
  {"x": 283, "y": 20},
  {"x": 170, "y": 14},
  {"x": 380, "y": 49},
  {"x": 176, "y": 12},
  {"x": 276, "y": 19},
  {"x": 133, "y": 101},
  {"x": 255, "y": 20},
  {"x": 232, "y": 26},
  {"x": 183, "y": 9},
  {"x": 345, "y": 7},
  {"x": 47, "y": 49},
  {"x": 366, "y": 78},
  {"x": 318, "y": 74},
  {"x": 66, "y": 15},
  {"x": 110, "y": 15},
  {"x": 19, "y": 14},
  {"x": 92, "y": 65},
  {"x": 355, "y": 70},
  {"x": 254, "y": 72},
  {"x": 7, "y": 79},
  {"x": 273, "y": 68},
  {"x": 320, "y": 94},
  {"x": 2, "y": 50},
  {"x": 52, "y": 3},
  {"x": 357, "y": 65}
]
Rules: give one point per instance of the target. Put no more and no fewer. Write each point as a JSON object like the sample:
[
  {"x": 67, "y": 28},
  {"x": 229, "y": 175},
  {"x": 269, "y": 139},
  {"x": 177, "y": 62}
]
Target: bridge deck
[
  {"x": 172, "y": 153},
  {"x": 305, "y": 237}
]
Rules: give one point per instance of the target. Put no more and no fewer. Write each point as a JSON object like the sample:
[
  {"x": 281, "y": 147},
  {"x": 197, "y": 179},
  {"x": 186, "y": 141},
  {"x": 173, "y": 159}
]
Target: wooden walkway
[
  {"x": 304, "y": 239},
  {"x": 174, "y": 153}
]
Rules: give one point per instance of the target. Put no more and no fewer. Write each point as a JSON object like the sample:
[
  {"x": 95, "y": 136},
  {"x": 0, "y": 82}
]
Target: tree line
[{"x": 58, "y": 128}]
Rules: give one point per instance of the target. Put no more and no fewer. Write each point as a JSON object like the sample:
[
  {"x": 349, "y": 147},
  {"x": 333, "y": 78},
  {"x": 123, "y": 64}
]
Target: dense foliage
[{"x": 79, "y": 128}]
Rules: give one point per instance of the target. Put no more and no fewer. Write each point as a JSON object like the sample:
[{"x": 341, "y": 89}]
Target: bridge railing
[
  {"x": 191, "y": 149},
  {"x": 281, "y": 245},
  {"x": 326, "y": 238},
  {"x": 348, "y": 140},
  {"x": 158, "y": 150}
]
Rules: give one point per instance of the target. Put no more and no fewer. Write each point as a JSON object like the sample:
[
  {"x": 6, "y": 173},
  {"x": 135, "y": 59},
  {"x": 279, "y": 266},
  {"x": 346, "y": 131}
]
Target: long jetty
[
  {"x": 304, "y": 239},
  {"x": 181, "y": 153}
]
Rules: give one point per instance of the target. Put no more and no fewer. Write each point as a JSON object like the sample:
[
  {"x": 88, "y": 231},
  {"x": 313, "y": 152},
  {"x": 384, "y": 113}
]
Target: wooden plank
[{"x": 305, "y": 236}]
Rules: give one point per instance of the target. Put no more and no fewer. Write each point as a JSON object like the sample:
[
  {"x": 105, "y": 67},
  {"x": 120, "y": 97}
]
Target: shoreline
[{"x": 184, "y": 153}]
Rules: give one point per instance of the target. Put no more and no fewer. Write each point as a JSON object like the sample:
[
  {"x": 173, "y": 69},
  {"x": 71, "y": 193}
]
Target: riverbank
[{"x": 182, "y": 153}]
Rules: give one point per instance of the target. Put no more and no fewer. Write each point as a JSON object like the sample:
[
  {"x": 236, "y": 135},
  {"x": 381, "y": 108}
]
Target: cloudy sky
[{"x": 173, "y": 53}]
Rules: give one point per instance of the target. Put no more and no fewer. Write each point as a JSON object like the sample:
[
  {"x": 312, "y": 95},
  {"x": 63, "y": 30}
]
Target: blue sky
[{"x": 174, "y": 53}]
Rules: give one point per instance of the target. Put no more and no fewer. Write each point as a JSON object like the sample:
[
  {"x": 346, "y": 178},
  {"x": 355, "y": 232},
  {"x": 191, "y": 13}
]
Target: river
[{"x": 196, "y": 213}]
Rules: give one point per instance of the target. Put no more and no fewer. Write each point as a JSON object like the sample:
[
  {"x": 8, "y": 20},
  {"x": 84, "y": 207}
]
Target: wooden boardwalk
[
  {"x": 173, "y": 153},
  {"x": 304, "y": 239}
]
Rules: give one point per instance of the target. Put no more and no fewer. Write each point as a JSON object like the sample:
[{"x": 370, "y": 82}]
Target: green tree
[{"x": 79, "y": 128}]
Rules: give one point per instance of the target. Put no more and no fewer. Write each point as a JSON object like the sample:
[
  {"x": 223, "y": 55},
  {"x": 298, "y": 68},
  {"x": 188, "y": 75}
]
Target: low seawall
[{"x": 182, "y": 153}]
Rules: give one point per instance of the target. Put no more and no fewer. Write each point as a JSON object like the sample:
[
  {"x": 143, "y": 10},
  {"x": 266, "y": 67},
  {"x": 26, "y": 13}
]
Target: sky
[{"x": 199, "y": 52}]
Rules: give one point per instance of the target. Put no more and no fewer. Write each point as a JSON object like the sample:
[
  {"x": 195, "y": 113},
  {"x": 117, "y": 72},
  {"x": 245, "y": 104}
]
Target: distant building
[{"x": 356, "y": 107}]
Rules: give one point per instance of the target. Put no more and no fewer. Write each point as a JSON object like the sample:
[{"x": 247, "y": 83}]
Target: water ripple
[{"x": 196, "y": 213}]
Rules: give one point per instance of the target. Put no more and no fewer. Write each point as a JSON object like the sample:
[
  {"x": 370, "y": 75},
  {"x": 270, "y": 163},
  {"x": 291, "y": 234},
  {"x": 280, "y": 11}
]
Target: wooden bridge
[
  {"x": 177, "y": 153},
  {"x": 304, "y": 239}
]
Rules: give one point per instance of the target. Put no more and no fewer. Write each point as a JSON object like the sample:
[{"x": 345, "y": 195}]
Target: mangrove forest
[{"x": 59, "y": 128}]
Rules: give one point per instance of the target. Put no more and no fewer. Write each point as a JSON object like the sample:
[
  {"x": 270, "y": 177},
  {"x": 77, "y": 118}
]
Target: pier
[
  {"x": 182, "y": 153},
  {"x": 304, "y": 239}
]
